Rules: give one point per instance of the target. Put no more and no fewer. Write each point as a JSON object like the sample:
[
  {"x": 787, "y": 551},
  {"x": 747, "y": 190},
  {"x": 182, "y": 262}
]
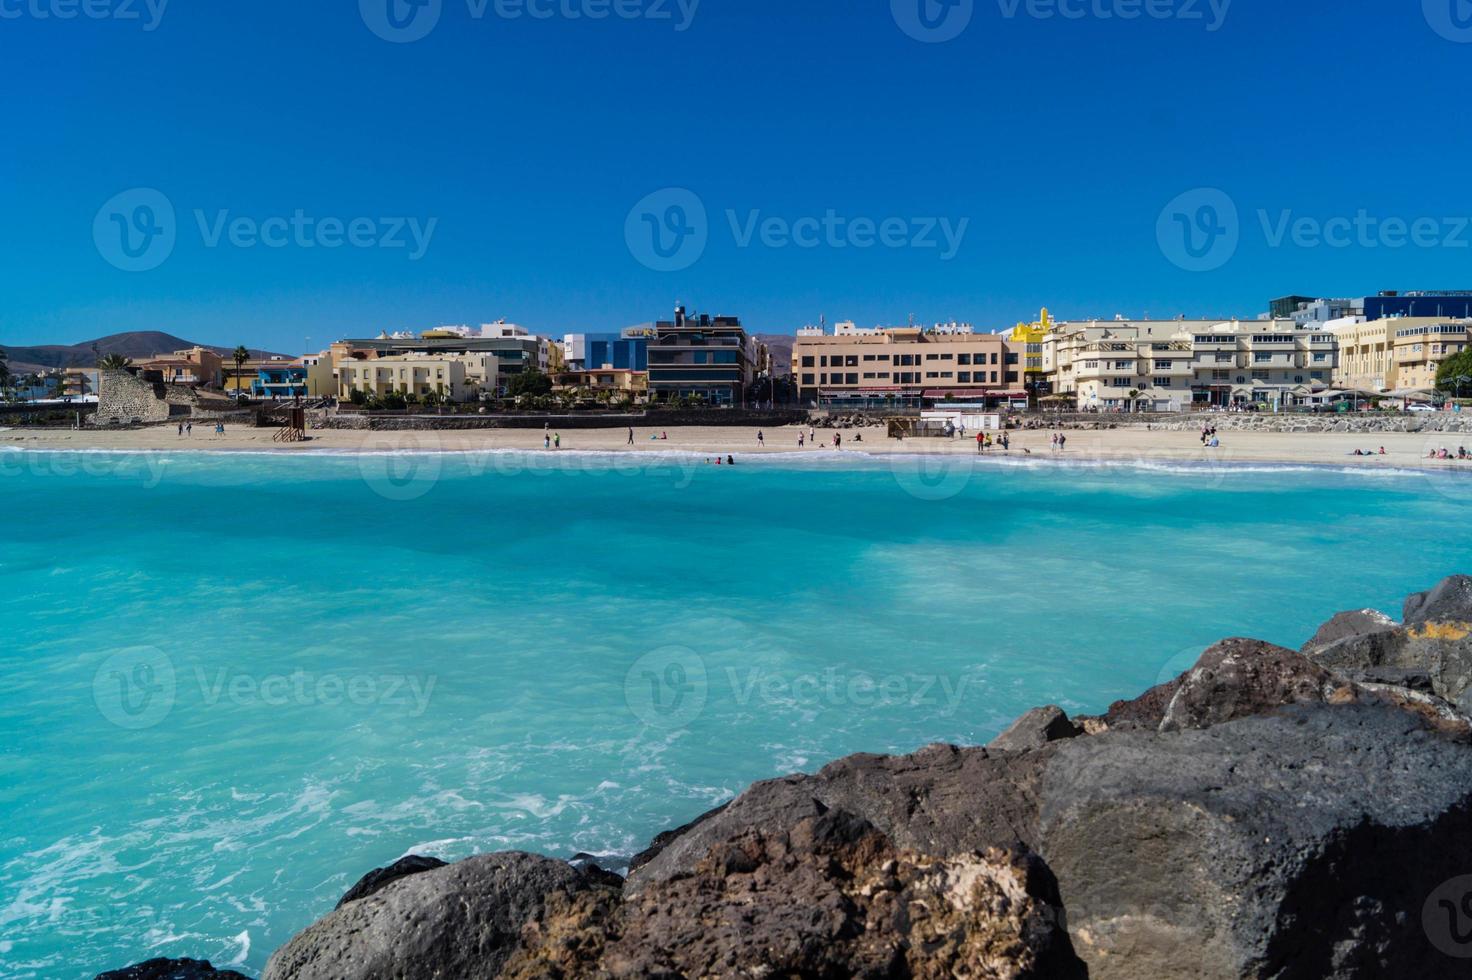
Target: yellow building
[
  {"x": 1421, "y": 346},
  {"x": 1366, "y": 356},
  {"x": 1027, "y": 338},
  {"x": 460, "y": 378}
]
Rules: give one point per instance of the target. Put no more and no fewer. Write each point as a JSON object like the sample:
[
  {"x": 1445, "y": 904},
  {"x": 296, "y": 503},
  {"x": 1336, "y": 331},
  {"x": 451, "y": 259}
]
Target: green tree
[
  {"x": 240, "y": 355},
  {"x": 115, "y": 362},
  {"x": 1455, "y": 373},
  {"x": 531, "y": 383}
]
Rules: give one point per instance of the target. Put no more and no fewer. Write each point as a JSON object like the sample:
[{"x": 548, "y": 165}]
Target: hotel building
[
  {"x": 903, "y": 366},
  {"x": 1171, "y": 365},
  {"x": 706, "y": 358},
  {"x": 1400, "y": 353},
  {"x": 459, "y": 377}
]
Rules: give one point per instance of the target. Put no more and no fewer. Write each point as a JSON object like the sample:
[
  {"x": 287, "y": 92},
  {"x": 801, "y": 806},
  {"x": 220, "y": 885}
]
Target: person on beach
[
  {"x": 800, "y": 437},
  {"x": 1006, "y": 443},
  {"x": 837, "y": 440},
  {"x": 1062, "y": 442},
  {"x": 761, "y": 438},
  {"x": 981, "y": 442},
  {"x": 631, "y": 435},
  {"x": 730, "y": 460},
  {"x": 557, "y": 440},
  {"x": 189, "y": 429},
  {"x": 181, "y": 430},
  {"x": 1054, "y": 442},
  {"x": 546, "y": 439}
]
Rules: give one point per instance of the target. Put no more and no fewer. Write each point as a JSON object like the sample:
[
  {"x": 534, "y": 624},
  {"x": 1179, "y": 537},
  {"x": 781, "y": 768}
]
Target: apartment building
[
  {"x": 1421, "y": 346},
  {"x": 196, "y": 366},
  {"x": 709, "y": 359},
  {"x": 459, "y": 377},
  {"x": 903, "y": 366},
  {"x": 1171, "y": 365}
]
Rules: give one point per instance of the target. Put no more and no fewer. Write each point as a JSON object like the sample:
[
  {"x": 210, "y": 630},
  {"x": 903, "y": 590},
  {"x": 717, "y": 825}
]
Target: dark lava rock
[
  {"x": 1449, "y": 601},
  {"x": 829, "y": 896},
  {"x": 1359, "y": 622},
  {"x": 1297, "y": 844},
  {"x": 942, "y": 800},
  {"x": 1036, "y": 728},
  {"x": 1239, "y": 678},
  {"x": 172, "y": 970},
  {"x": 1436, "y": 641},
  {"x": 379, "y": 877},
  {"x": 462, "y": 920}
]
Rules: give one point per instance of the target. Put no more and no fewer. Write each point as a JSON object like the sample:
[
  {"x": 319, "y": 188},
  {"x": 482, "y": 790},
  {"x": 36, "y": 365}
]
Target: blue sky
[{"x": 522, "y": 147}]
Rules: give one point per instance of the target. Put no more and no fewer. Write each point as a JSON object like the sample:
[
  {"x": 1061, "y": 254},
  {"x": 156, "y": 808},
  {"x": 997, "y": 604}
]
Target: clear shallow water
[{"x": 233, "y": 684}]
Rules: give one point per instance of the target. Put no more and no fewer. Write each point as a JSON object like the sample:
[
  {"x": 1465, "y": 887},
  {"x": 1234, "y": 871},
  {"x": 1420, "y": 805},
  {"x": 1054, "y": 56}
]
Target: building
[
  {"x": 1171, "y": 365},
  {"x": 1366, "y": 355},
  {"x": 1420, "y": 346},
  {"x": 904, "y": 367},
  {"x": 1450, "y": 305},
  {"x": 701, "y": 357},
  {"x": 197, "y": 366},
  {"x": 626, "y": 351},
  {"x": 613, "y": 383},
  {"x": 80, "y": 383},
  {"x": 1027, "y": 339},
  {"x": 513, "y": 348},
  {"x": 457, "y": 377}
]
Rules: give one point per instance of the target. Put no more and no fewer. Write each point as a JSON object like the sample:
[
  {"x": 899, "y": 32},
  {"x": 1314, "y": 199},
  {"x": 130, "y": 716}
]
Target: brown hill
[
  {"x": 780, "y": 345},
  {"x": 138, "y": 345}
]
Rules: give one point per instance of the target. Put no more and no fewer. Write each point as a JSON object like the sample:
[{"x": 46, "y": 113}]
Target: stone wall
[
  {"x": 125, "y": 399},
  {"x": 1259, "y": 421},
  {"x": 650, "y": 420}
]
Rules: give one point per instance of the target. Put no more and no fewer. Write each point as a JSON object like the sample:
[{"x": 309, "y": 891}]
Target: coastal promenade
[{"x": 1124, "y": 444}]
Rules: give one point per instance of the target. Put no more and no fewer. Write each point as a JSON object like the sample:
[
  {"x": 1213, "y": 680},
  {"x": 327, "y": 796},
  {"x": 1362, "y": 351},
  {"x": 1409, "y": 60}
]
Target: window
[
  {"x": 1011, "y": 377},
  {"x": 963, "y": 358},
  {"x": 851, "y": 361},
  {"x": 1162, "y": 382},
  {"x": 851, "y": 379},
  {"x": 963, "y": 376},
  {"x": 807, "y": 379},
  {"x": 807, "y": 361}
]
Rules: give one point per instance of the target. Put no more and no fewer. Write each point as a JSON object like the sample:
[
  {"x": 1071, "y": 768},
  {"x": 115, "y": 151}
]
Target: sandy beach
[{"x": 1137, "y": 445}]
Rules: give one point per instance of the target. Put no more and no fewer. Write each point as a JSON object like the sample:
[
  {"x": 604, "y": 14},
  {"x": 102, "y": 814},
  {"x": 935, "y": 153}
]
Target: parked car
[{"x": 1420, "y": 407}]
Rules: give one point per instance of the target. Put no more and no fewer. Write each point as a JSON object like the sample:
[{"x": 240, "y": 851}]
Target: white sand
[{"x": 1139, "y": 445}]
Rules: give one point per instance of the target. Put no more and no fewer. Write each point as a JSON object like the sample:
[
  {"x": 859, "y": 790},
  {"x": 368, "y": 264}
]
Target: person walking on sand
[
  {"x": 557, "y": 440},
  {"x": 546, "y": 439},
  {"x": 189, "y": 429},
  {"x": 181, "y": 430},
  {"x": 1062, "y": 442},
  {"x": 1006, "y": 443},
  {"x": 800, "y": 437},
  {"x": 980, "y": 442},
  {"x": 761, "y": 438},
  {"x": 631, "y": 435}
]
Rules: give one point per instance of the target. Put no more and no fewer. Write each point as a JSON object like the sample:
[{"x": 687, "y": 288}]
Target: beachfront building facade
[
  {"x": 626, "y": 351},
  {"x": 906, "y": 366},
  {"x": 1421, "y": 345},
  {"x": 1366, "y": 355},
  {"x": 1027, "y": 341},
  {"x": 456, "y": 377},
  {"x": 1173, "y": 365},
  {"x": 707, "y": 359},
  {"x": 197, "y": 366},
  {"x": 514, "y": 350}
]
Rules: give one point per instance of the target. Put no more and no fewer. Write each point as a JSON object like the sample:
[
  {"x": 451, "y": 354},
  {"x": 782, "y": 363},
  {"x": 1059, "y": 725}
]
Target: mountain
[
  {"x": 780, "y": 345},
  {"x": 138, "y": 345}
]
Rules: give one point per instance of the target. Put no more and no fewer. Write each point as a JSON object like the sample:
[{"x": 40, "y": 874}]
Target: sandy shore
[{"x": 1402, "y": 449}]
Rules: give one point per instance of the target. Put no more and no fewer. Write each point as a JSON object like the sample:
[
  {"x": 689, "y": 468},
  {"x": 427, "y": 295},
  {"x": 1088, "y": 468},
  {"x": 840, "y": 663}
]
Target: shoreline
[{"x": 1404, "y": 451}]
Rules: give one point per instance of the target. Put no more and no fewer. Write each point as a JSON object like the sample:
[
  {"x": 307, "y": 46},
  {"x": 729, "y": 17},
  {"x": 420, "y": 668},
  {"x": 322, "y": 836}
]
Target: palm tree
[
  {"x": 240, "y": 356},
  {"x": 115, "y": 362}
]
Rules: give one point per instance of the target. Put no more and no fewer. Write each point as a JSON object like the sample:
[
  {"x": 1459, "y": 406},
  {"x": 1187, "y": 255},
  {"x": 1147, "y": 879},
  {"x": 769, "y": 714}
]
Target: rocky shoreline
[{"x": 1269, "y": 813}]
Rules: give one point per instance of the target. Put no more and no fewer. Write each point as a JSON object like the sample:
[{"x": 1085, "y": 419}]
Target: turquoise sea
[{"x": 234, "y": 683}]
